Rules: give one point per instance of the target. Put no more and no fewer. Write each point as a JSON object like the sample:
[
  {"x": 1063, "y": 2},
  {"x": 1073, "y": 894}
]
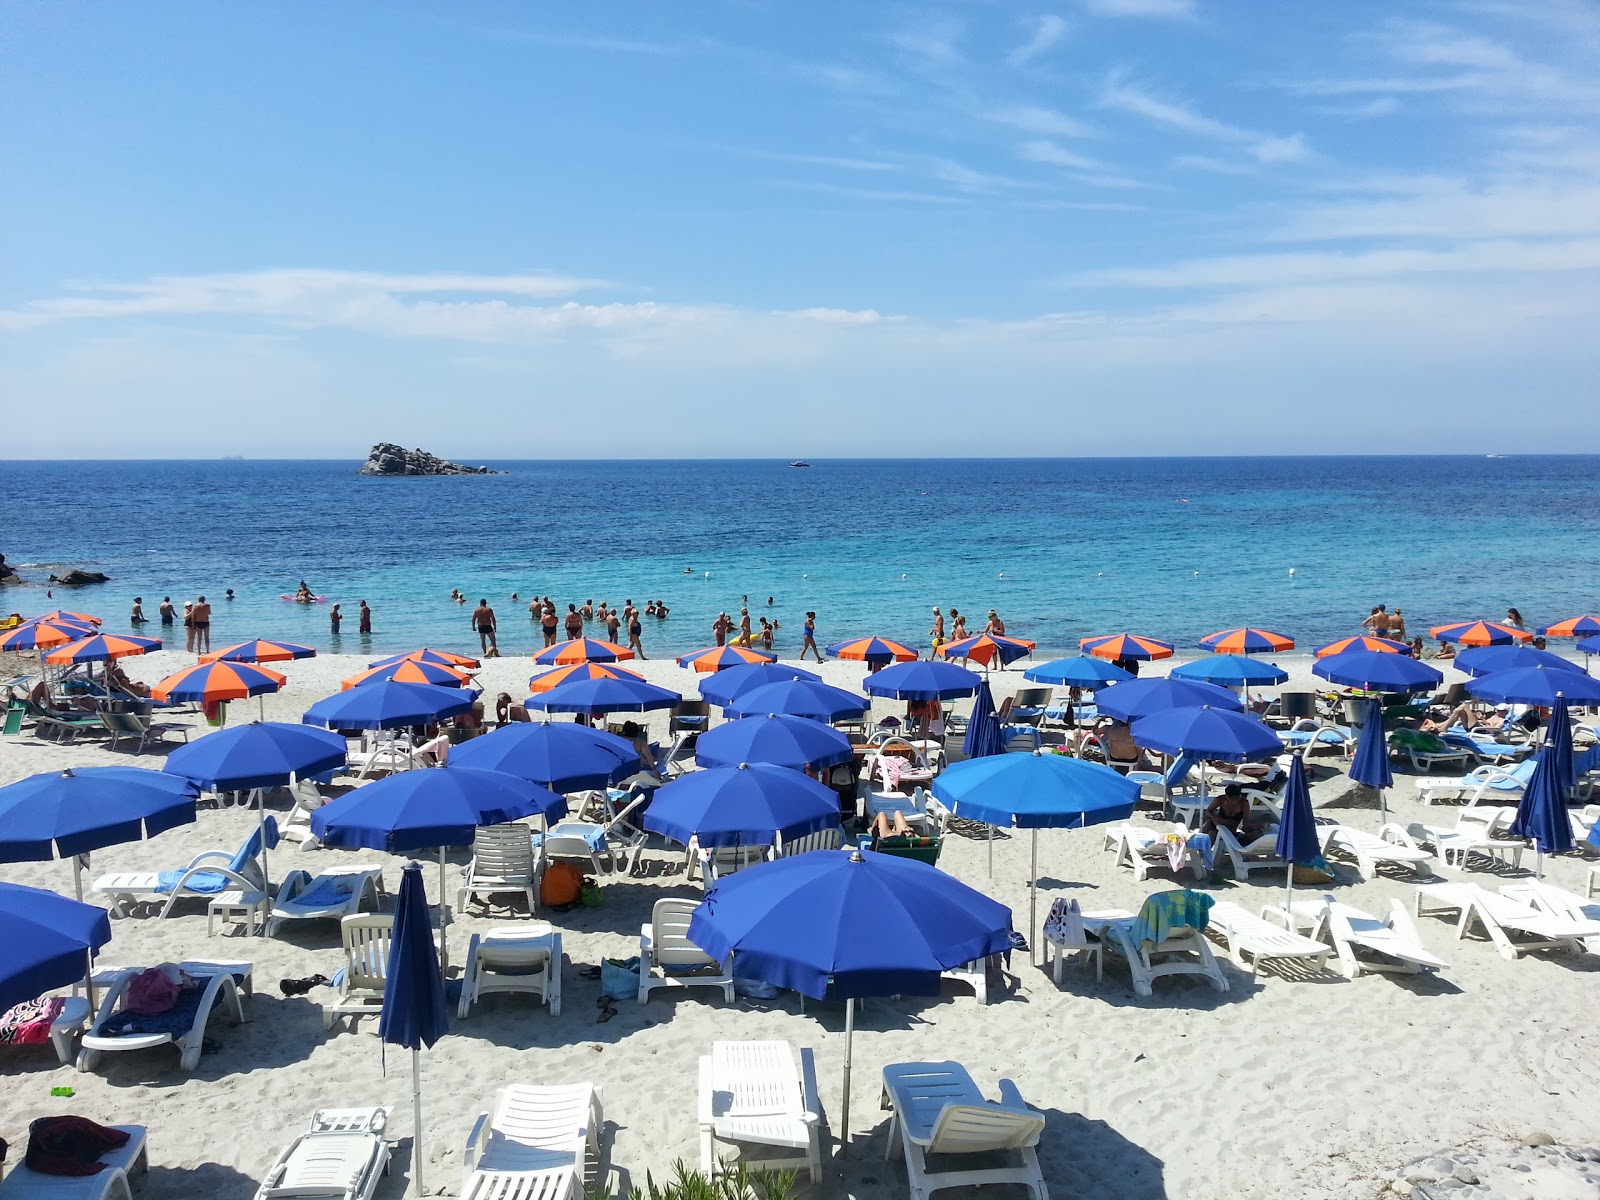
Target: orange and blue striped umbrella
[
  {"x": 209, "y": 682},
  {"x": 718, "y": 658},
  {"x": 101, "y": 647},
  {"x": 1573, "y": 627},
  {"x": 260, "y": 651},
  {"x": 986, "y": 647},
  {"x": 448, "y": 657},
  {"x": 62, "y": 616},
  {"x": 1363, "y": 642},
  {"x": 40, "y": 634},
  {"x": 873, "y": 650},
  {"x": 1246, "y": 641},
  {"x": 581, "y": 650},
  {"x": 1480, "y": 633},
  {"x": 1125, "y": 645},
  {"x": 409, "y": 671},
  {"x": 550, "y": 679}
]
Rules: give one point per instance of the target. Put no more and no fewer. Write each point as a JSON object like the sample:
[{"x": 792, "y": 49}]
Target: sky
[{"x": 762, "y": 229}]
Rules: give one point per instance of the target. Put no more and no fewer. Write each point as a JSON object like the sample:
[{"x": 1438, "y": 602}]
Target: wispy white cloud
[
  {"x": 1123, "y": 95},
  {"x": 1035, "y": 118},
  {"x": 934, "y": 41},
  {"x": 1054, "y": 154},
  {"x": 1046, "y": 33},
  {"x": 838, "y": 162},
  {"x": 1141, "y": 8}
]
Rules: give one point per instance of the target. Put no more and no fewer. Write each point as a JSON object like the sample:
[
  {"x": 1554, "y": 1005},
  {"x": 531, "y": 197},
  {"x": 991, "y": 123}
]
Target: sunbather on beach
[
  {"x": 1445, "y": 650},
  {"x": 1231, "y": 811},
  {"x": 890, "y": 825},
  {"x": 720, "y": 627}
]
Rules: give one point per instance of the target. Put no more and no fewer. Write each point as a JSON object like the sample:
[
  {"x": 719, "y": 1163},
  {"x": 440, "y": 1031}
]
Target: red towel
[{"x": 70, "y": 1145}]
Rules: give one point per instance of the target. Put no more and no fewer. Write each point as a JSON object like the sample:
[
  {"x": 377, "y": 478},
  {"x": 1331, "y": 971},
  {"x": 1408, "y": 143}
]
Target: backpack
[{"x": 562, "y": 884}]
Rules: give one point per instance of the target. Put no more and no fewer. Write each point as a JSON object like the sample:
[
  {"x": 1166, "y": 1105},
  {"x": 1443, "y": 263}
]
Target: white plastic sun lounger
[
  {"x": 365, "y": 939},
  {"x": 331, "y": 896},
  {"x": 535, "y": 1145},
  {"x": 1143, "y": 850},
  {"x": 1184, "y": 951},
  {"x": 759, "y": 1097},
  {"x": 1363, "y": 942},
  {"x": 1556, "y": 901},
  {"x": 513, "y": 958},
  {"x": 184, "y": 1027},
  {"x": 667, "y": 958},
  {"x": 502, "y": 864},
  {"x": 939, "y": 1111},
  {"x": 1513, "y": 926},
  {"x": 1373, "y": 850},
  {"x": 341, "y": 1156},
  {"x": 24, "y": 1183},
  {"x": 1260, "y": 855},
  {"x": 206, "y": 876},
  {"x": 1485, "y": 781},
  {"x": 1248, "y": 934}
]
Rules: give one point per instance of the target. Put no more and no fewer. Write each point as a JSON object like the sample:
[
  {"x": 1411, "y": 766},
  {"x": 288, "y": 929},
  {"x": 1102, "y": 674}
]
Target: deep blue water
[{"x": 1063, "y": 548}]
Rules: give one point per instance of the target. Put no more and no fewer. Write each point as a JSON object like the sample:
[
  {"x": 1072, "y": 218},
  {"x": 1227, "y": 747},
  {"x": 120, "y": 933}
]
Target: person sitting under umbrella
[{"x": 1232, "y": 811}]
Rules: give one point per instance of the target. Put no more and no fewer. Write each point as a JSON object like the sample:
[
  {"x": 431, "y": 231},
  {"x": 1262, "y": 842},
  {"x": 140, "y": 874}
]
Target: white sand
[{"x": 1276, "y": 1088}]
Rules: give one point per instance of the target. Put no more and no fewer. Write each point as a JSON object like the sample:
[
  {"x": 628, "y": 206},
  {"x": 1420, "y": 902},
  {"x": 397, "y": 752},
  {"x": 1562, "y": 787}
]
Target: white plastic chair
[
  {"x": 513, "y": 958},
  {"x": 502, "y": 863},
  {"x": 667, "y": 958},
  {"x": 938, "y": 1111},
  {"x": 341, "y": 1156}
]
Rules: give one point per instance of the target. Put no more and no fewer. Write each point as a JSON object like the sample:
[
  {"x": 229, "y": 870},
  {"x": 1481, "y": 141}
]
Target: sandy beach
[{"x": 1280, "y": 1087}]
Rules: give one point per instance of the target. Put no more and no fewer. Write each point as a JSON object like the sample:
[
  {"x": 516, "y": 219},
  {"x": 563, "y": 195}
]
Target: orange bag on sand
[{"x": 562, "y": 884}]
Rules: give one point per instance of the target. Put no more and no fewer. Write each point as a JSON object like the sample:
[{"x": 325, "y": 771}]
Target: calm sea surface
[{"x": 1063, "y": 548}]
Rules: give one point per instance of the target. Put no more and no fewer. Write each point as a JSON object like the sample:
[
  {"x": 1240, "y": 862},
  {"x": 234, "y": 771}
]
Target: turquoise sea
[{"x": 1062, "y": 548}]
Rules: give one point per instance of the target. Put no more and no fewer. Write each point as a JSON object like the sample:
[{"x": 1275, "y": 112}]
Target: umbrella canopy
[
  {"x": 872, "y": 650},
  {"x": 1364, "y": 642},
  {"x": 1486, "y": 660},
  {"x": 1246, "y": 641},
  {"x": 260, "y": 651},
  {"x": 1231, "y": 669},
  {"x": 1125, "y": 646},
  {"x": 101, "y": 647},
  {"x": 1590, "y": 645},
  {"x": 576, "y": 671},
  {"x": 59, "y": 814},
  {"x": 1480, "y": 633},
  {"x": 1081, "y": 671},
  {"x": 780, "y": 740},
  {"x": 931, "y": 680},
  {"x": 984, "y": 735},
  {"x": 258, "y": 755},
  {"x": 1573, "y": 627},
  {"x": 1297, "y": 827},
  {"x": 580, "y": 650},
  {"x": 799, "y": 698},
  {"x": 389, "y": 706},
  {"x": 1141, "y": 697},
  {"x": 563, "y": 757},
  {"x": 1378, "y": 671},
  {"x": 421, "y": 810},
  {"x": 1542, "y": 810},
  {"x": 1036, "y": 791},
  {"x": 446, "y": 658},
  {"x": 751, "y": 804},
  {"x": 1371, "y": 764},
  {"x": 1536, "y": 685},
  {"x": 67, "y": 616},
  {"x": 727, "y": 685},
  {"x": 408, "y": 670},
  {"x": 48, "y": 941},
  {"x": 40, "y": 634},
  {"x": 986, "y": 648},
  {"x": 604, "y": 696},
  {"x": 1207, "y": 733},
  {"x": 720, "y": 658},
  {"x": 208, "y": 682}
]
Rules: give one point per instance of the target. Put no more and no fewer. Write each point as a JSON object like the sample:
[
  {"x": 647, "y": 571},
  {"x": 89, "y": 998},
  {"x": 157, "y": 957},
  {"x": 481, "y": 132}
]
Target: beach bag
[
  {"x": 619, "y": 978},
  {"x": 562, "y": 884}
]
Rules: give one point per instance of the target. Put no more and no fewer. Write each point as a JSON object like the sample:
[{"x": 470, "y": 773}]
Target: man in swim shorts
[
  {"x": 483, "y": 621},
  {"x": 202, "y": 626}
]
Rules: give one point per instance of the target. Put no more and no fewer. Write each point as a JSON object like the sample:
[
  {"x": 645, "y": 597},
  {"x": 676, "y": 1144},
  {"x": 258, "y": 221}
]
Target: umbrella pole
[
  {"x": 1033, "y": 899},
  {"x": 444, "y": 923},
  {"x": 88, "y": 970},
  {"x": 991, "y": 852},
  {"x": 844, "y": 1106},
  {"x": 416, "y": 1116}
]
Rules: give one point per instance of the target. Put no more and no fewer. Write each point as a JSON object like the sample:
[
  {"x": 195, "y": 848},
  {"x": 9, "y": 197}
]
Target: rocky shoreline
[
  {"x": 386, "y": 458},
  {"x": 1538, "y": 1169}
]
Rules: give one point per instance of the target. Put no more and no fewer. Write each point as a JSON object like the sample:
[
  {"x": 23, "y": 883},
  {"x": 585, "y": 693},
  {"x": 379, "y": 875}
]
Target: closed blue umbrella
[
  {"x": 561, "y": 756},
  {"x": 984, "y": 736},
  {"x": 799, "y": 698},
  {"x": 390, "y": 706},
  {"x": 1378, "y": 671},
  {"x": 413, "y": 1012},
  {"x": 751, "y": 804},
  {"x": 1297, "y": 825},
  {"x": 780, "y": 741},
  {"x": 48, "y": 941},
  {"x": 869, "y": 924},
  {"x": 1081, "y": 671},
  {"x": 258, "y": 755},
  {"x": 927, "y": 680},
  {"x": 1487, "y": 660},
  {"x": 733, "y": 682},
  {"x": 1207, "y": 734},
  {"x": 1141, "y": 697},
  {"x": 594, "y": 696},
  {"x": 1231, "y": 670},
  {"x": 1370, "y": 767},
  {"x": 1542, "y": 810},
  {"x": 1537, "y": 685}
]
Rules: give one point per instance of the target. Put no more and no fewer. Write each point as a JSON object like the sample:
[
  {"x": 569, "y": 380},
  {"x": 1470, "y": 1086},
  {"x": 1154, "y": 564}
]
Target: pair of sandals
[{"x": 299, "y": 987}]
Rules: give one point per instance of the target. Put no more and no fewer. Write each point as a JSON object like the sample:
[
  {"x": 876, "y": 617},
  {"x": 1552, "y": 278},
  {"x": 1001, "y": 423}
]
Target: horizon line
[{"x": 851, "y": 459}]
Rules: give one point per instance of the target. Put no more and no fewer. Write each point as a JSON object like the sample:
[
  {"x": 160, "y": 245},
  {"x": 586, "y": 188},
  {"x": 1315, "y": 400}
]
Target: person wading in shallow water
[{"x": 364, "y": 622}]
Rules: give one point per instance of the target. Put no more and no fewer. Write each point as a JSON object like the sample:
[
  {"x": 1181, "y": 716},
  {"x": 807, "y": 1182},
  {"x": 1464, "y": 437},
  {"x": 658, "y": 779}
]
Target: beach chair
[
  {"x": 513, "y": 958},
  {"x": 940, "y": 1118},
  {"x": 330, "y": 896},
  {"x": 1066, "y": 932},
  {"x": 65, "y": 723},
  {"x": 502, "y": 863},
  {"x": 381, "y": 750},
  {"x": 183, "y": 1026},
  {"x": 206, "y": 876},
  {"x": 1166, "y": 938},
  {"x": 1363, "y": 942},
  {"x": 537, "y": 1144},
  {"x": 140, "y": 728},
  {"x": 1477, "y": 784},
  {"x": 710, "y": 863},
  {"x": 823, "y": 839},
  {"x": 1311, "y": 735},
  {"x": 296, "y": 827},
  {"x": 1556, "y": 901},
  {"x": 1247, "y": 934},
  {"x": 1371, "y": 851},
  {"x": 22, "y": 1182},
  {"x": 585, "y": 841},
  {"x": 34, "y": 1021},
  {"x": 1425, "y": 750},
  {"x": 667, "y": 958},
  {"x": 1483, "y": 747},
  {"x": 365, "y": 940},
  {"x": 1261, "y": 854},
  {"x": 1480, "y": 829},
  {"x": 1513, "y": 926},
  {"x": 341, "y": 1156},
  {"x": 1144, "y": 850},
  {"x": 758, "y": 1098}
]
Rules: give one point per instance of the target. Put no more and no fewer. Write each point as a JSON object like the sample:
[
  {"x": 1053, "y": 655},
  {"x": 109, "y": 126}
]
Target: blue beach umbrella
[
  {"x": 1537, "y": 685},
  {"x": 930, "y": 679},
  {"x": 1487, "y": 660},
  {"x": 48, "y": 942},
  {"x": 751, "y": 804},
  {"x": 780, "y": 741},
  {"x": 1079, "y": 671},
  {"x": 1231, "y": 670},
  {"x": 1370, "y": 766},
  {"x": 413, "y": 1012},
  {"x": 390, "y": 706},
  {"x": 561, "y": 756},
  {"x": 1589, "y": 645},
  {"x": 595, "y": 696},
  {"x": 1207, "y": 734},
  {"x": 1297, "y": 825},
  {"x": 799, "y": 698},
  {"x": 984, "y": 735},
  {"x": 1542, "y": 810},
  {"x": 1378, "y": 671},
  {"x": 869, "y": 924},
  {"x": 732, "y": 682},
  {"x": 261, "y": 754},
  {"x": 1141, "y": 697}
]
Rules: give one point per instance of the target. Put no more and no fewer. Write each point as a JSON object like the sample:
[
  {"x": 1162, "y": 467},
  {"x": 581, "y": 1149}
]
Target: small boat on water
[{"x": 799, "y": 462}]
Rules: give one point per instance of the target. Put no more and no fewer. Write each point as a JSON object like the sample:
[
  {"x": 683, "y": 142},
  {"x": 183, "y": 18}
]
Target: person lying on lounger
[{"x": 891, "y": 825}]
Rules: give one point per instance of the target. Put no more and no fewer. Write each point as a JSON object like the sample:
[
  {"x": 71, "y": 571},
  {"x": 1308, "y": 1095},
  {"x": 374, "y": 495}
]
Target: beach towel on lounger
[
  {"x": 210, "y": 882},
  {"x": 28, "y": 1024},
  {"x": 1166, "y": 912}
]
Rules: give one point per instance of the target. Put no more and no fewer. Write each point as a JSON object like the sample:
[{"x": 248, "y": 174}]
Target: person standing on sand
[
  {"x": 958, "y": 626},
  {"x": 137, "y": 617},
  {"x": 334, "y": 617},
  {"x": 613, "y": 623},
  {"x": 364, "y": 619},
  {"x": 937, "y": 632},
  {"x": 809, "y": 629},
  {"x": 635, "y": 628},
  {"x": 483, "y": 621},
  {"x": 168, "y": 613},
  {"x": 202, "y": 626},
  {"x": 188, "y": 625},
  {"x": 995, "y": 626}
]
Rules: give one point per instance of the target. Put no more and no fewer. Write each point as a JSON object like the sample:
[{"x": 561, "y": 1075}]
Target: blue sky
[{"x": 763, "y": 229}]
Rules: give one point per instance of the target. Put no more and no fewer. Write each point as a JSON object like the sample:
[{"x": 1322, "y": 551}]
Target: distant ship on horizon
[{"x": 799, "y": 462}]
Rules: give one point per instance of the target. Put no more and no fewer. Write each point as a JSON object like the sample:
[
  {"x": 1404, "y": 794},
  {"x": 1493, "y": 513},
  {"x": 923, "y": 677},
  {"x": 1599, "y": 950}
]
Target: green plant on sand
[{"x": 736, "y": 1183}]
